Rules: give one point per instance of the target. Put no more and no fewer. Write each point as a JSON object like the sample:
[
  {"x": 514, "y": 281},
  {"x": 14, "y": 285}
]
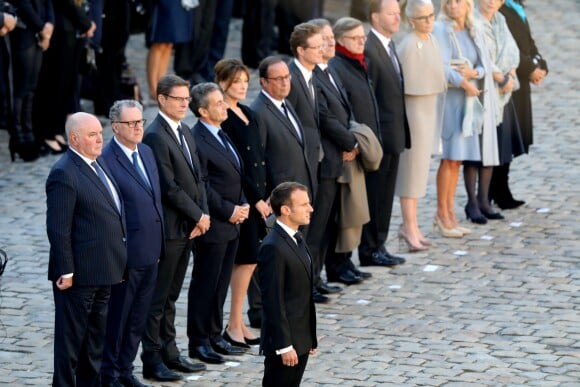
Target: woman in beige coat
[{"x": 424, "y": 80}]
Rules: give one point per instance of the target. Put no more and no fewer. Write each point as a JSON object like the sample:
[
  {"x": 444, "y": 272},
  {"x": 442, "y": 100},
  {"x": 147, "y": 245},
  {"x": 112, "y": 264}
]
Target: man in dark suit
[
  {"x": 285, "y": 270},
  {"x": 339, "y": 145},
  {"x": 222, "y": 171},
  {"x": 286, "y": 150},
  {"x": 387, "y": 80},
  {"x": 88, "y": 251},
  {"x": 185, "y": 217},
  {"x": 133, "y": 166}
]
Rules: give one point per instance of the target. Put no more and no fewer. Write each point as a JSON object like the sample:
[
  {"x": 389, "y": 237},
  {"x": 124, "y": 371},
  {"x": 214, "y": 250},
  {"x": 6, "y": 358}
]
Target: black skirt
[{"x": 509, "y": 136}]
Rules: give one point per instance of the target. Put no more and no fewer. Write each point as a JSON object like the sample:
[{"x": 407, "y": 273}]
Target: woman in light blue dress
[{"x": 460, "y": 138}]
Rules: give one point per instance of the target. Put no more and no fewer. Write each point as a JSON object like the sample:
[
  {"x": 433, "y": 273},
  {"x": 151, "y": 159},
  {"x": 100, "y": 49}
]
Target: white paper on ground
[
  {"x": 331, "y": 316},
  {"x": 232, "y": 363},
  {"x": 543, "y": 210},
  {"x": 395, "y": 287},
  {"x": 460, "y": 252},
  {"x": 363, "y": 302},
  {"x": 486, "y": 237},
  {"x": 515, "y": 224},
  {"x": 430, "y": 268}
]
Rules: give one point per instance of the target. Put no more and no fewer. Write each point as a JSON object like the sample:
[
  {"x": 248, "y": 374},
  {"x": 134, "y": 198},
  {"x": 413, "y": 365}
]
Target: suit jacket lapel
[
  {"x": 209, "y": 138},
  {"x": 177, "y": 142},
  {"x": 304, "y": 260},
  {"x": 128, "y": 165},
  {"x": 92, "y": 175},
  {"x": 382, "y": 51},
  {"x": 280, "y": 116}
]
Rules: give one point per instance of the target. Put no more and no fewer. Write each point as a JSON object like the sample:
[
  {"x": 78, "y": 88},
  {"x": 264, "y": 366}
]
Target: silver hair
[
  {"x": 345, "y": 24},
  {"x": 117, "y": 108},
  {"x": 199, "y": 95},
  {"x": 412, "y": 5}
]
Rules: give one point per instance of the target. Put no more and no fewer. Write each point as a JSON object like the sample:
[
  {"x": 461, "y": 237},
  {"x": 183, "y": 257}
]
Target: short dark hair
[
  {"x": 226, "y": 70},
  {"x": 199, "y": 95},
  {"x": 300, "y": 35},
  {"x": 168, "y": 82},
  {"x": 280, "y": 195},
  {"x": 265, "y": 64}
]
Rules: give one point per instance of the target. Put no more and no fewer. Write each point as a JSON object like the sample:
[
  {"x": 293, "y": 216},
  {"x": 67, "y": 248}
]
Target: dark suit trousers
[
  {"x": 323, "y": 227},
  {"x": 212, "y": 271},
  {"x": 79, "y": 334},
  {"x": 380, "y": 193},
  {"x": 254, "y": 299},
  {"x": 128, "y": 311},
  {"x": 277, "y": 374},
  {"x": 159, "y": 337}
]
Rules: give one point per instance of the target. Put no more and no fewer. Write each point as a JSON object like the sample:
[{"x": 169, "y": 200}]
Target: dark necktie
[
  {"x": 103, "y": 178},
  {"x": 393, "y": 57},
  {"x": 302, "y": 245},
  {"x": 311, "y": 88},
  {"x": 184, "y": 146},
  {"x": 228, "y": 145},
  {"x": 285, "y": 110},
  {"x": 140, "y": 171}
]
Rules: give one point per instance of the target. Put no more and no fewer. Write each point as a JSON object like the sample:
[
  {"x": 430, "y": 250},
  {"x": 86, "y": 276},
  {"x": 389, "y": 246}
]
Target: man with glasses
[
  {"x": 133, "y": 166},
  {"x": 185, "y": 216},
  {"x": 281, "y": 128}
]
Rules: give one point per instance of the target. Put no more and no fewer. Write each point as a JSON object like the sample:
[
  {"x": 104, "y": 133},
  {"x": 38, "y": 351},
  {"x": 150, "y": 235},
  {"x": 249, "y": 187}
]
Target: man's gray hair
[
  {"x": 199, "y": 95},
  {"x": 117, "y": 108}
]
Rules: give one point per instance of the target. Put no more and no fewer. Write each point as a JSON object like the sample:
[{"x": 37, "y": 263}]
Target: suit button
[
  {"x": 248, "y": 147},
  {"x": 124, "y": 240},
  {"x": 255, "y": 164},
  {"x": 263, "y": 163}
]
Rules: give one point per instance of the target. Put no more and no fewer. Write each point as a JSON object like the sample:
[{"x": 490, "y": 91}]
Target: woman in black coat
[
  {"x": 531, "y": 70},
  {"x": 28, "y": 42}
]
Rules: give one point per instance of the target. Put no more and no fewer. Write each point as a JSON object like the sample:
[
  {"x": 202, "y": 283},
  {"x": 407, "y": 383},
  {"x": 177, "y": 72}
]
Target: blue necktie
[
  {"x": 103, "y": 179},
  {"x": 227, "y": 144},
  {"x": 139, "y": 170}
]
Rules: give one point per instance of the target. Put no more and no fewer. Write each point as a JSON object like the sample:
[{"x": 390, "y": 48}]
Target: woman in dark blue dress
[
  {"x": 170, "y": 23},
  {"x": 233, "y": 77}
]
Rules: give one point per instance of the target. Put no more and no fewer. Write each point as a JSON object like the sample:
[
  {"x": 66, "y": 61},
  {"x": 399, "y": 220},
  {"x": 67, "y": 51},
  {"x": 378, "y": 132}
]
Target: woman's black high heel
[
  {"x": 475, "y": 219},
  {"x": 492, "y": 215},
  {"x": 27, "y": 151}
]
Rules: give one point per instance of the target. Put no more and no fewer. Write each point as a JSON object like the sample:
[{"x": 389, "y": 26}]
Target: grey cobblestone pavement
[{"x": 500, "y": 307}]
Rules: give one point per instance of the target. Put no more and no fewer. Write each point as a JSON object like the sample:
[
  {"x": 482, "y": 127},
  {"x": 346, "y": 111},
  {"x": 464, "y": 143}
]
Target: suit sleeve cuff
[
  {"x": 284, "y": 350},
  {"x": 69, "y": 275}
]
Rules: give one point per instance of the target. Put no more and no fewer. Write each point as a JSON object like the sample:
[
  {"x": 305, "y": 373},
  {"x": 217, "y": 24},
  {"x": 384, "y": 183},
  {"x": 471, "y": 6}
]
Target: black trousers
[
  {"x": 380, "y": 194},
  {"x": 159, "y": 337},
  {"x": 128, "y": 311},
  {"x": 210, "y": 279},
  {"x": 79, "y": 334},
  {"x": 277, "y": 374},
  {"x": 257, "y": 31}
]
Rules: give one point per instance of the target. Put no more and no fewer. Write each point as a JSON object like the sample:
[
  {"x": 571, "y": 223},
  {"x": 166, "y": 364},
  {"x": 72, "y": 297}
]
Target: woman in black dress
[{"x": 233, "y": 77}]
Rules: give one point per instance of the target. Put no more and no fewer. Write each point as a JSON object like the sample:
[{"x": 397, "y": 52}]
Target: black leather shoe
[
  {"x": 233, "y": 342},
  {"x": 113, "y": 383},
  {"x": 223, "y": 347},
  {"x": 362, "y": 274},
  {"x": 131, "y": 381},
  {"x": 509, "y": 204},
  {"x": 474, "y": 218},
  {"x": 394, "y": 258},
  {"x": 183, "y": 365},
  {"x": 206, "y": 354},
  {"x": 347, "y": 277},
  {"x": 376, "y": 259},
  {"x": 326, "y": 288},
  {"x": 160, "y": 373},
  {"x": 319, "y": 298},
  {"x": 255, "y": 341},
  {"x": 492, "y": 215}
]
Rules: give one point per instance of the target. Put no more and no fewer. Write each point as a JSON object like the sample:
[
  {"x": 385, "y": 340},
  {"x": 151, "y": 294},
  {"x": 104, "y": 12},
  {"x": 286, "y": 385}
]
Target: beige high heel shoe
[
  {"x": 446, "y": 232},
  {"x": 404, "y": 240}
]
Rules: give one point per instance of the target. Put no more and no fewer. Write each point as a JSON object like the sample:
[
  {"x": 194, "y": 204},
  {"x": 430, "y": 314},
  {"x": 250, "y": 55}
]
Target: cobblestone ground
[{"x": 500, "y": 307}]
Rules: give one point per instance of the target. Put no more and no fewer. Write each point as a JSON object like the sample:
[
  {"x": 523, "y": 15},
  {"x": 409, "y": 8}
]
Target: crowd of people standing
[{"x": 346, "y": 122}]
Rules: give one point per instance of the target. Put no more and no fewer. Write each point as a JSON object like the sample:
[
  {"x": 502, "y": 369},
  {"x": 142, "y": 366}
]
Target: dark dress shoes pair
[
  {"x": 181, "y": 364},
  {"x": 509, "y": 204},
  {"x": 318, "y": 297},
  {"x": 347, "y": 277},
  {"x": 378, "y": 258},
  {"x": 130, "y": 381},
  {"x": 223, "y": 347},
  {"x": 326, "y": 288},
  {"x": 160, "y": 373}
]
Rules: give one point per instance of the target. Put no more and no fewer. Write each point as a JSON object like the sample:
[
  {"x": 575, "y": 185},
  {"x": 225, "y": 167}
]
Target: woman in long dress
[{"x": 420, "y": 59}]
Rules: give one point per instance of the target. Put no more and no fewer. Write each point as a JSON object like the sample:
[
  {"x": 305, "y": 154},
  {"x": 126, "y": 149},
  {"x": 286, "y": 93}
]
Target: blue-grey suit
[
  {"x": 130, "y": 300},
  {"x": 87, "y": 237}
]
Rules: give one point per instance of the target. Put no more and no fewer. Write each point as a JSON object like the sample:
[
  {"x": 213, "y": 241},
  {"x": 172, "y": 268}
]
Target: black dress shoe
[
  {"x": 160, "y": 373},
  {"x": 475, "y": 218},
  {"x": 131, "y": 381},
  {"x": 233, "y": 342},
  {"x": 319, "y": 298},
  {"x": 362, "y": 274},
  {"x": 492, "y": 215},
  {"x": 325, "y": 288},
  {"x": 183, "y": 365},
  {"x": 223, "y": 347},
  {"x": 509, "y": 204},
  {"x": 113, "y": 383},
  {"x": 394, "y": 258},
  {"x": 207, "y": 354},
  {"x": 377, "y": 259},
  {"x": 255, "y": 341},
  {"x": 347, "y": 277}
]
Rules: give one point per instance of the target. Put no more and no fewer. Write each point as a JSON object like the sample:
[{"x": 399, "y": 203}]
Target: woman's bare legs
[
  {"x": 158, "y": 59},
  {"x": 241, "y": 276}
]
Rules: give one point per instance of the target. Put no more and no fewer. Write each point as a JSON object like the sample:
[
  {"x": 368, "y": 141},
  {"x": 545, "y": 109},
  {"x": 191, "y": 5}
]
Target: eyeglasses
[
  {"x": 281, "y": 79},
  {"x": 361, "y": 38},
  {"x": 132, "y": 124},
  {"x": 425, "y": 18},
  {"x": 180, "y": 99},
  {"x": 317, "y": 48}
]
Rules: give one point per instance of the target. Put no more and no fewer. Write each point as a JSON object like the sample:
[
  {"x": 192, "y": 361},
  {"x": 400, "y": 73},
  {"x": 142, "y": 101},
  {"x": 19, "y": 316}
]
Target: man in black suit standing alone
[
  {"x": 88, "y": 252},
  {"x": 185, "y": 215},
  {"x": 222, "y": 171},
  {"x": 285, "y": 270},
  {"x": 387, "y": 80},
  {"x": 133, "y": 167}
]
